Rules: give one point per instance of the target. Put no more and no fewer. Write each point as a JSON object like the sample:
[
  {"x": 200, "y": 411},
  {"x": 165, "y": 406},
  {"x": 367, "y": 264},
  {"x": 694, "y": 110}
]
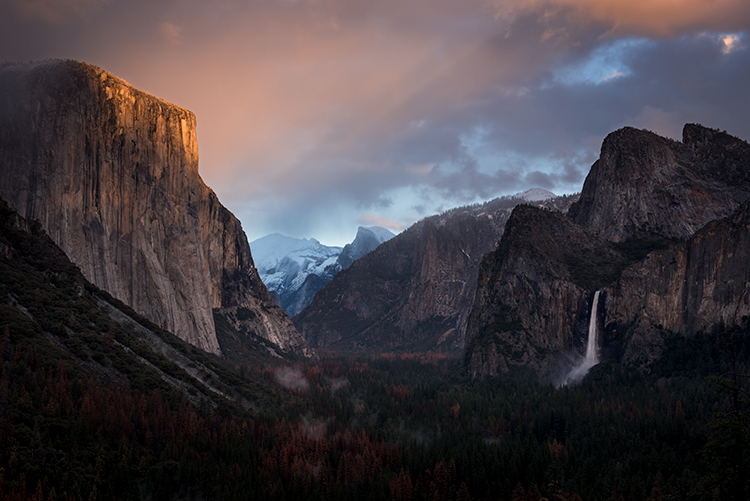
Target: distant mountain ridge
[
  {"x": 296, "y": 268},
  {"x": 414, "y": 292}
]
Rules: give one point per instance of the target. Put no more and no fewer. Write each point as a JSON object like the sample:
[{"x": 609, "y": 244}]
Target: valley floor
[{"x": 394, "y": 427}]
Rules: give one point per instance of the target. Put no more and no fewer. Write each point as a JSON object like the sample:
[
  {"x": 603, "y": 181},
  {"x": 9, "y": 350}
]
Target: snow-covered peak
[
  {"x": 269, "y": 250},
  {"x": 381, "y": 234},
  {"x": 535, "y": 195},
  {"x": 285, "y": 263}
]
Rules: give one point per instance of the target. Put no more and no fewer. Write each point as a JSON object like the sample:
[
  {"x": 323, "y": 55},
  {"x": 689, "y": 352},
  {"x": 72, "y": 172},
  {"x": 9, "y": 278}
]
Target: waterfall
[{"x": 592, "y": 348}]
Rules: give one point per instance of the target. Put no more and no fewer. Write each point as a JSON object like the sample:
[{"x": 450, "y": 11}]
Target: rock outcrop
[
  {"x": 111, "y": 173},
  {"x": 414, "y": 292},
  {"x": 644, "y": 184}
]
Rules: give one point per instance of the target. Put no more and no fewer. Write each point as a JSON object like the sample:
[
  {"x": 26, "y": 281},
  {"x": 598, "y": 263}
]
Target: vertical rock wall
[
  {"x": 111, "y": 172},
  {"x": 693, "y": 286}
]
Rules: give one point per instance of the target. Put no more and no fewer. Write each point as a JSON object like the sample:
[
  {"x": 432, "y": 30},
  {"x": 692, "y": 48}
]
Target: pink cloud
[
  {"x": 375, "y": 220},
  {"x": 170, "y": 32}
]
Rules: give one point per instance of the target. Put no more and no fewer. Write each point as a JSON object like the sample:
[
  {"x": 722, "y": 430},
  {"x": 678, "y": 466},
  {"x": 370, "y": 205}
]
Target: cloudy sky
[{"x": 316, "y": 116}]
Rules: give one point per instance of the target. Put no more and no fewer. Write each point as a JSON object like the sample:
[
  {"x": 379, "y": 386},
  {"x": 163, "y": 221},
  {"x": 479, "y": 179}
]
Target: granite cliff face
[
  {"x": 111, "y": 173},
  {"x": 648, "y": 231},
  {"x": 414, "y": 292},
  {"x": 691, "y": 287}
]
